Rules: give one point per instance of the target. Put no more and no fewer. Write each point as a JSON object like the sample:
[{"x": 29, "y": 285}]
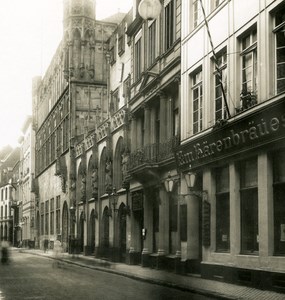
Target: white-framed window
[
  {"x": 221, "y": 63},
  {"x": 215, "y": 4},
  {"x": 197, "y": 100},
  {"x": 279, "y": 31},
  {"x": 197, "y": 13},
  {"x": 249, "y": 62}
]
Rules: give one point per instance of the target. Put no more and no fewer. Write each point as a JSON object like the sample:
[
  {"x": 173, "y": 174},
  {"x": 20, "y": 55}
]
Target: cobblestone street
[{"x": 34, "y": 277}]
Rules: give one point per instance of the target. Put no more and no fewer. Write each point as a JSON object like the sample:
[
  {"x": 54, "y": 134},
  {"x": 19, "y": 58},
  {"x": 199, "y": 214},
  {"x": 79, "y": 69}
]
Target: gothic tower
[{"x": 79, "y": 39}]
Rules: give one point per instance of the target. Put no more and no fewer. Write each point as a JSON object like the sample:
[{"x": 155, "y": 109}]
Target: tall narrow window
[
  {"x": 249, "y": 63},
  {"x": 169, "y": 24},
  {"x": 57, "y": 212},
  {"x": 249, "y": 207},
  {"x": 220, "y": 109},
  {"x": 151, "y": 42},
  {"x": 279, "y": 31},
  {"x": 197, "y": 99},
  {"x": 222, "y": 210},
  {"x": 47, "y": 217},
  {"x": 137, "y": 56},
  {"x": 279, "y": 202},
  {"x": 42, "y": 211},
  {"x": 52, "y": 216},
  {"x": 197, "y": 13}
]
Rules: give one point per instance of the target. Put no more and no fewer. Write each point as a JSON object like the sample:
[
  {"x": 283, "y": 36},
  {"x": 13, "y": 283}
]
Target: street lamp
[
  {"x": 190, "y": 179},
  {"x": 169, "y": 183},
  {"x": 149, "y": 9}
]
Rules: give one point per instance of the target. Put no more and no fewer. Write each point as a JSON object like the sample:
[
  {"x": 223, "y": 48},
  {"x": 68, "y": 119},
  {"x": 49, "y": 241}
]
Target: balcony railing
[{"x": 153, "y": 153}]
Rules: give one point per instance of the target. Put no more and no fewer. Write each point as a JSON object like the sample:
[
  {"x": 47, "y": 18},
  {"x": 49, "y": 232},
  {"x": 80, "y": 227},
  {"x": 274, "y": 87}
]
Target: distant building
[
  {"x": 25, "y": 184},
  {"x": 8, "y": 165}
]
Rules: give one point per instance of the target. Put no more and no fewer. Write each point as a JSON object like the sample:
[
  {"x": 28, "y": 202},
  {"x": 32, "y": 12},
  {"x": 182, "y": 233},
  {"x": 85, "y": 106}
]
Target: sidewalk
[{"x": 216, "y": 289}]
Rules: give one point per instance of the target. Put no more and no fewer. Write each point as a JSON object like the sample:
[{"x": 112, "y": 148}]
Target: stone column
[
  {"x": 163, "y": 241},
  {"x": 163, "y": 117},
  {"x": 148, "y": 226},
  {"x": 192, "y": 226}
]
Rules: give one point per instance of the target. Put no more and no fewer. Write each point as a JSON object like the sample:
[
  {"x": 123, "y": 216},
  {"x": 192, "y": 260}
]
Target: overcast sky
[{"x": 30, "y": 32}]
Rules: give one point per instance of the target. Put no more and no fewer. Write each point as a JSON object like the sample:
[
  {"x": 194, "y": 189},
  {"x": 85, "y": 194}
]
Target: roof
[{"x": 116, "y": 18}]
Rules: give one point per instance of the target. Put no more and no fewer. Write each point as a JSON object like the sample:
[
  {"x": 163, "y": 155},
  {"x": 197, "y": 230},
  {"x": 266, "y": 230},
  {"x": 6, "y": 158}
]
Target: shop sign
[
  {"x": 250, "y": 132},
  {"x": 137, "y": 200}
]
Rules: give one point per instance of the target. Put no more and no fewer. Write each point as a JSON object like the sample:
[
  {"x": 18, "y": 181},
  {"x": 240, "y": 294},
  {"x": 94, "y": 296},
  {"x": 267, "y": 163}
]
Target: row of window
[
  {"x": 248, "y": 75},
  {"x": 249, "y": 217},
  {"x": 50, "y": 216},
  {"x": 151, "y": 38},
  {"x": 4, "y": 211}
]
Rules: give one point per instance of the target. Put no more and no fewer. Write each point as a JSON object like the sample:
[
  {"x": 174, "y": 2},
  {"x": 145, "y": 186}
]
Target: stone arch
[
  {"x": 80, "y": 184},
  {"x": 117, "y": 168},
  {"x": 105, "y": 231},
  {"x": 92, "y": 231},
  {"x": 81, "y": 231},
  {"x": 122, "y": 237},
  {"x": 65, "y": 226}
]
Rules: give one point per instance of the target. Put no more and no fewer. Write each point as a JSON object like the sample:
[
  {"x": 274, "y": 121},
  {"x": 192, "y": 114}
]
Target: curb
[{"x": 177, "y": 286}]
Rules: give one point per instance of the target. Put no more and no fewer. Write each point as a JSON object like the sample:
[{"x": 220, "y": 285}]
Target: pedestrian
[
  {"x": 57, "y": 251},
  {"x": 45, "y": 245},
  {"x": 4, "y": 252}
]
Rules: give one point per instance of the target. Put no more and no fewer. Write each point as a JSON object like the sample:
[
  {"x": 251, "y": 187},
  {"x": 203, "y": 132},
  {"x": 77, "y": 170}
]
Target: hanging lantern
[
  {"x": 149, "y": 9},
  {"x": 190, "y": 178}
]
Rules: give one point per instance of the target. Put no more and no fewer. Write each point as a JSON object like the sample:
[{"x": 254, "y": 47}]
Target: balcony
[
  {"x": 247, "y": 100},
  {"x": 153, "y": 154}
]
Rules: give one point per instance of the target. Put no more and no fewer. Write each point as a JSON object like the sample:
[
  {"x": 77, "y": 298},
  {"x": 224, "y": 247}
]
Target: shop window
[
  {"x": 222, "y": 210},
  {"x": 279, "y": 202},
  {"x": 183, "y": 222},
  {"x": 169, "y": 24},
  {"x": 197, "y": 101},
  {"x": 249, "y": 207},
  {"x": 279, "y": 32},
  {"x": 248, "y": 54},
  {"x": 221, "y": 63}
]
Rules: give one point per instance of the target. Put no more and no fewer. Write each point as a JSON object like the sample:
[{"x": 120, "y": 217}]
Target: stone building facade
[{"x": 67, "y": 103}]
